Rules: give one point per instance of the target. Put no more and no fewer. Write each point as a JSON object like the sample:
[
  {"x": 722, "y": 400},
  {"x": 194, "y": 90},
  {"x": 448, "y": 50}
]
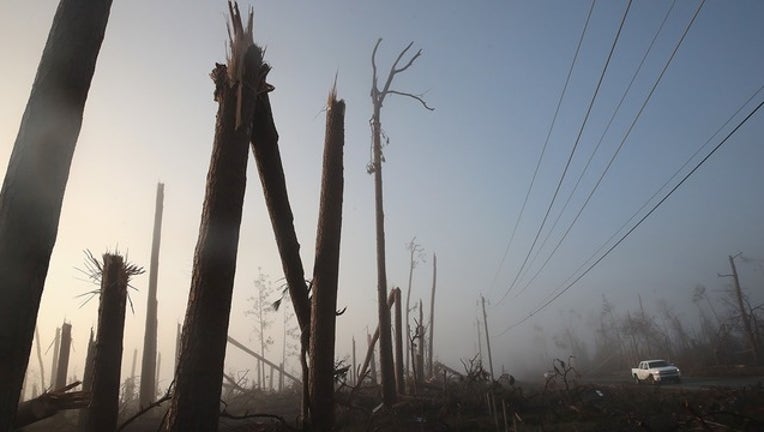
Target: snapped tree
[
  {"x": 148, "y": 364},
  {"x": 199, "y": 376},
  {"x": 326, "y": 270},
  {"x": 375, "y": 167}
]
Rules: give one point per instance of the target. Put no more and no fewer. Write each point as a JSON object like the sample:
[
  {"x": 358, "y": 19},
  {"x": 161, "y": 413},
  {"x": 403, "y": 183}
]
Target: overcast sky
[{"x": 455, "y": 178}]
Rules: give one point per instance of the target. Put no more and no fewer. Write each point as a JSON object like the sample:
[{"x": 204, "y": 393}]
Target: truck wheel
[
  {"x": 650, "y": 380},
  {"x": 636, "y": 380}
]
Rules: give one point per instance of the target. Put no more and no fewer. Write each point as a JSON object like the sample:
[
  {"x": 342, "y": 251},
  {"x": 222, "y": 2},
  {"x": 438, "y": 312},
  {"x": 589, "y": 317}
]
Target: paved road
[{"x": 687, "y": 382}]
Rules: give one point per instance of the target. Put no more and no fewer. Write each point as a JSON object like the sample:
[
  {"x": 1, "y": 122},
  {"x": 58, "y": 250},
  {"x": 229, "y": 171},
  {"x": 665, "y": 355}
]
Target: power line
[
  {"x": 665, "y": 184},
  {"x": 591, "y": 156},
  {"x": 623, "y": 141},
  {"x": 543, "y": 149},
  {"x": 572, "y": 151},
  {"x": 658, "y": 204}
]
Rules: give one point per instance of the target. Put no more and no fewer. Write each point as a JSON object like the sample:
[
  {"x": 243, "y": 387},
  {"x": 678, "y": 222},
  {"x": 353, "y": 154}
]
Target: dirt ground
[{"x": 559, "y": 404}]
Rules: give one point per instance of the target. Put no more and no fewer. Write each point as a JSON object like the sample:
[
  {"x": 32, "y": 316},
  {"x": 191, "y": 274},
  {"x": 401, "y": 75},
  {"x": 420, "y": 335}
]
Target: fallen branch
[
  {"x": 226, "y": 414},
  {"x": 50, "y": 403},
  {"x": 167, "y": 396}
]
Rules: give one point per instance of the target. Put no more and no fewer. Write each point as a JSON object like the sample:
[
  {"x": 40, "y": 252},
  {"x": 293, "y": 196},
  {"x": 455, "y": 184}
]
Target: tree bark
[
  {"x": 400, "y": 383},
  {"x": 199, "y": 377},
  {"x": 378, "y": 96},
  {"x": 326, "y": 270},
  {"x": 104, "y": 407},
  {"x": 35, "y": 180},
  {"x": 148, "y": 364},
  {"x": 385, "y": 340}
]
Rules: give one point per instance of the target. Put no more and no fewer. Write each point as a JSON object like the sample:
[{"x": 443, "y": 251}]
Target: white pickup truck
[{"x": 655, "y": 371}]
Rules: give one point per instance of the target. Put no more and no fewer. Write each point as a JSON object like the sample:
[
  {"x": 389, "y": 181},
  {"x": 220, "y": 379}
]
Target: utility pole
[
  {"x": 743, "y": 314},
  {"x": 487, "y": 338},
  {"x": 479, "y": 341}
]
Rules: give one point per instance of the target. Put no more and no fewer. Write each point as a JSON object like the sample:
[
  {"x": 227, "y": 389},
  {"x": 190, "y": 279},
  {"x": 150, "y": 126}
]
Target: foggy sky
[{"x": 454, "y": 178}]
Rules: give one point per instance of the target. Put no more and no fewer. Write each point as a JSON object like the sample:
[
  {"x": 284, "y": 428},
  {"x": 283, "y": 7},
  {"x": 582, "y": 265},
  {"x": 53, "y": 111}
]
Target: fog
[{"x": 455, "y": 178}]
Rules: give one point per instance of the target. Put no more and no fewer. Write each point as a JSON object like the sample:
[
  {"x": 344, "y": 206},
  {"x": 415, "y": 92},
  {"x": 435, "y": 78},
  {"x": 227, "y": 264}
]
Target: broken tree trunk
[
  {"x": 63, "y": 356},
  {"x": 257, "y": 356},
  {"x": 39, "y": 357},
  {"x": 400, "y": 383},
  {"x": 372, "y": 342},
  {"x": 268, "y": 158},
  {"x": 326, "y": 270},
  {"x": 432, "y": 315},
  {"x": 87, "y": 381},
  {"x": 54, "y": 365},
  {"x": 421, "y": 347},
  {"x": 148, "y": 365},
  {"x": 35, "y": 180},
  {"x": 104, "y": 407},
  {"x": 354, "y": 375},
  {"x": 373, "y": 364},
  {"x": 199, "y": 377}
]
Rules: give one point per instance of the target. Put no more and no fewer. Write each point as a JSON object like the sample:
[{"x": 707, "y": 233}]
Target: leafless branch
[
  {"x": 417, "y": 97},
  {"x": 226, "y": 414},
  {"x": 378, "y": 95},
  {"x": 167, "y": 396}
]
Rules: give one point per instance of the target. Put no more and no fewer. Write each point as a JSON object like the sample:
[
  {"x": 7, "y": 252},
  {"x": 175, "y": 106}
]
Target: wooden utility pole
[
  {"x": 431, "y": 343},
  {"x": 400, "y": 383},
  {"x": 63, "y": 356},
  {"x": 35, "y": 180},
  {"x": 195, "y": 405},
  {"x": 749, "y": 333},
  {"x": 479, "y": 341},
  {"x": 326, "y": 269},
  {"x": 148, "y": 365},
  {"x": 104, "y": 406},
  {"x": 375, "y": 167},
  {"x": 487, "y": 338}
]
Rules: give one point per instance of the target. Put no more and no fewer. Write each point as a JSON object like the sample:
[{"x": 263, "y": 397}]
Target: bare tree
[
  {"x": 199, "y": 377},
  {"x": 326, "y": 270},
  {"x": 35, "y": 180},
  {"x": 148, "y": 363},
  {"x": 416, "y": 255},
  {"x": 748, "y": 328},
  {"x": 375, "y": 167},
  {"x": 259, "y": 313}
]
